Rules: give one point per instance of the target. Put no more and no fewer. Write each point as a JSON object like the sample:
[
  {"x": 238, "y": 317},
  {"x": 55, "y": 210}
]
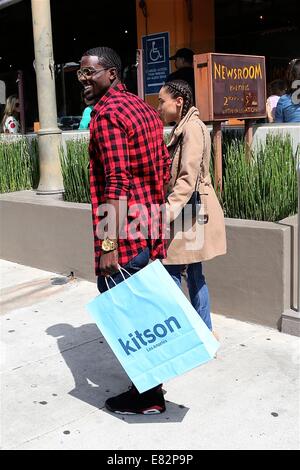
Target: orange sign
[{"x": 230, "y": 86}]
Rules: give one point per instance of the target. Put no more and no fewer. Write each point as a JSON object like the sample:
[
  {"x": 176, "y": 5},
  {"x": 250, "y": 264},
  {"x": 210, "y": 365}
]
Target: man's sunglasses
[{"x": 88, "y": 72}]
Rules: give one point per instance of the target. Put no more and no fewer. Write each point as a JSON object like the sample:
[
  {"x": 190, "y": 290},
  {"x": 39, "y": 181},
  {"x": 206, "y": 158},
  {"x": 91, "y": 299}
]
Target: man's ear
[{"x": 112, "y": 74}]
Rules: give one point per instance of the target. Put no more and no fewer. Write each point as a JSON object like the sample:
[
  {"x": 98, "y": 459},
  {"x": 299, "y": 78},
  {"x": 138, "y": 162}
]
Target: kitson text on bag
[{"x": 147, "y": 337}]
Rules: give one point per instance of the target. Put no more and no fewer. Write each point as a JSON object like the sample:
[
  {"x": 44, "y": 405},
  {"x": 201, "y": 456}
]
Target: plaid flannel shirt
[{"x": 128, "y": 159}]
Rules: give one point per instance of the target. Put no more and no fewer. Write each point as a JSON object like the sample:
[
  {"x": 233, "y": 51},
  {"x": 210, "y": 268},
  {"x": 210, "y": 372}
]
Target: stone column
[{"x": 49, "y": 135}]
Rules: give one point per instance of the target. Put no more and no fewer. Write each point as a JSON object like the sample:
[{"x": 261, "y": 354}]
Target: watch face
[
  {"x": 103, "y": 245},
  {"x": 108, "y": 245}
]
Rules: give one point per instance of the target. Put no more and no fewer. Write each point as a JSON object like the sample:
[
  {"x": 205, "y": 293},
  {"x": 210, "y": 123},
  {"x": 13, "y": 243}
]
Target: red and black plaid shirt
[{"x": 128, "y": 158}]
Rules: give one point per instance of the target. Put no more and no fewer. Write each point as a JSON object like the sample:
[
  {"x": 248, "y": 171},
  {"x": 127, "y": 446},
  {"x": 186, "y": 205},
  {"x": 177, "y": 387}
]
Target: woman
[
  {"x": 203, "y": 236},
  {"x": 10, "y": 123},
  {"x": 288, "y": 106}
]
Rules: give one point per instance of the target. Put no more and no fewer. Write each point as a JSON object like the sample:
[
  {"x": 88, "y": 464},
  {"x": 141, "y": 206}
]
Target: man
[
  {"x": 129, "y": 168},
  {"x": 184, "y": 65}
]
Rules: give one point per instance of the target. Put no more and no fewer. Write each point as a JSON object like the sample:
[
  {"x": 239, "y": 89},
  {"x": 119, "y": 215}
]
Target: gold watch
[{"x": 109, "y": 245}]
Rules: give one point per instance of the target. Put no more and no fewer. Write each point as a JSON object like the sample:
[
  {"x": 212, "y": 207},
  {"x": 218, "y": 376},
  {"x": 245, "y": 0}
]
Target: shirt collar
[{"x": 110, "y": 92}]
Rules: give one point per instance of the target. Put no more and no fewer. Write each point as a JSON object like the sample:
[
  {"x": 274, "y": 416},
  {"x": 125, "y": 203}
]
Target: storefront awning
[{"x": 8, "y": 3}]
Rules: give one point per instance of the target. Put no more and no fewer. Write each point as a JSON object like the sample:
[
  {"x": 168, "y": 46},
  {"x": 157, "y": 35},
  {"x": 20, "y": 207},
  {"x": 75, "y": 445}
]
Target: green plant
[
  {"x": 263, "y": 187},
  {"x": 15, "y": 165},
  {"x": 167, "y": 136},
  {"x": 74, "y": 164},
  {"x": 34, "y": 162}
]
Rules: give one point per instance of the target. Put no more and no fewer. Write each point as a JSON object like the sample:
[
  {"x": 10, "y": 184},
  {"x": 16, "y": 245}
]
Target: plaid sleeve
[{"x": 113, "y": 146}]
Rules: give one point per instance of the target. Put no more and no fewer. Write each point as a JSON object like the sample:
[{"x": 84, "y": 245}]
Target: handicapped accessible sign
[{"x": 156, "y": 61}]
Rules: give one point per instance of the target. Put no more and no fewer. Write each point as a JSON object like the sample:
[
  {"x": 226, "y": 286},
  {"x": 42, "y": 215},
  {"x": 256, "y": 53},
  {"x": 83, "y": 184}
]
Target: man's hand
[{"x": 109, "y": 263}]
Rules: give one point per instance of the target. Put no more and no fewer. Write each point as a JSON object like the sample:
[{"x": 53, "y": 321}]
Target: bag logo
[{"x": 148, "y": 337}]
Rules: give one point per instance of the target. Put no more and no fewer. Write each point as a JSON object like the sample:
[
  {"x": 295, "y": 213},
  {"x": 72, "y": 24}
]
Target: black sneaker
[{"x": 132, "y": 402}]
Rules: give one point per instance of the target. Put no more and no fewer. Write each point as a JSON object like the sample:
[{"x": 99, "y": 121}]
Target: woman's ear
[{"x": 179, "y": 101}]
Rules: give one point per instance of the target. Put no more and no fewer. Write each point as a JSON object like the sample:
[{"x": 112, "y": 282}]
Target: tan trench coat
[{"x": 189, "y": 149}]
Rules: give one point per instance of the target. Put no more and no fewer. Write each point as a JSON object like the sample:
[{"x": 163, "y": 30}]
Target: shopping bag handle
[
  {"x": 123, "y": 269},
  {"x": 120, "y": 269}
]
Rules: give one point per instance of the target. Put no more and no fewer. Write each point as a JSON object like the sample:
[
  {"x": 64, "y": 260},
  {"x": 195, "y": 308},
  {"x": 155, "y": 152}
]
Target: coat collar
[{"x": 177, "y": 131}]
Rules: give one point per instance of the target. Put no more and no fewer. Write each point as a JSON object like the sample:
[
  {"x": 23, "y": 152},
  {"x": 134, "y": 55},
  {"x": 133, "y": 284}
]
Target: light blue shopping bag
[{"x": 152, "y": 328}]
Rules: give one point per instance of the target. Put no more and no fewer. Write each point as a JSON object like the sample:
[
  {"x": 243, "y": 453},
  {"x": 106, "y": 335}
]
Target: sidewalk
[{"x": 57, "y": 371}]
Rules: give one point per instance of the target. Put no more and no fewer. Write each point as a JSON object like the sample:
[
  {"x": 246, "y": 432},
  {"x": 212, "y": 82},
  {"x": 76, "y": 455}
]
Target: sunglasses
[
  {"x": 88, "y": 72},
  {"x": 17, "y": 105}
]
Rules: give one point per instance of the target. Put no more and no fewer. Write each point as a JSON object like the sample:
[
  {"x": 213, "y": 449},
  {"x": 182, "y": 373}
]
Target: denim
[
  {"x": 197, "y": 287},
  {"x": 134, "y": 265},
  {"x": 286, "y": 110}
]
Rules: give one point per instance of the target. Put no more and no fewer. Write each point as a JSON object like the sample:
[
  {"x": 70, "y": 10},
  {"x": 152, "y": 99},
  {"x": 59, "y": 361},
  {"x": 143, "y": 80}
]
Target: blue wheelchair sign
[
  {"x": 156, "y": 50},
  {"x": 156, "y": 61}
]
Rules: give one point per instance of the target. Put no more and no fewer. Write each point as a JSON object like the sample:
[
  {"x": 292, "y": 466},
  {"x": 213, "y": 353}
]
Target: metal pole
[
  {"x": 49, "y": 136},
  {"x": 63, "y": 85},
  {"x": 140, "y": 73},
  {"x": 20, "y": 81}
]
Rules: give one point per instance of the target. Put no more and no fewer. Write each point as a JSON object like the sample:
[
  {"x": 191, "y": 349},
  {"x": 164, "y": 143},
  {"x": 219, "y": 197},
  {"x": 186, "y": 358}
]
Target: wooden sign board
[{"x": 230, "y": 86}]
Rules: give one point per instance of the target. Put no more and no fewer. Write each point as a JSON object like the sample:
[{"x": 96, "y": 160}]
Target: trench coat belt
[{"x": 201, "y": 188}]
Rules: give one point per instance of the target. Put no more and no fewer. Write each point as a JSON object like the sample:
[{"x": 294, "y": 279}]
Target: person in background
[
  {"x": 10, "y": 123},
  {"x": 276, "y": 90},
  {"x": 184, "y": 65},
  {"x": 288, "y": 106},
  {"x": 130, "y": 78},
  {"x": 189, "y": 149},
  {"x": 86, "y": 116}
]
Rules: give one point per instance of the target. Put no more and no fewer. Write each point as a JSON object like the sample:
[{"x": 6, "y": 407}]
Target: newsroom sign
[{"x": 238, "y": 86}]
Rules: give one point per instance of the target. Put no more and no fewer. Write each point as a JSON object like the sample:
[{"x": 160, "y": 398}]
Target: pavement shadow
[{"x": 97, "y": 373}]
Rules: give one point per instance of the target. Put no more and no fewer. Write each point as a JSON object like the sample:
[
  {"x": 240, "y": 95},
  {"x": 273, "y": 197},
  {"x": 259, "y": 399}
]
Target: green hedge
[
  {"x": 264, "y": 186},
  {"x": 18, "y": 165},
  {"x": 74, "y": 165}
]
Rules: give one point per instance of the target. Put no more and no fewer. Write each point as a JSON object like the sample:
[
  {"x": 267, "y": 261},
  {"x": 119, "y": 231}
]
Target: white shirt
[{"x": 11, "y": 125}]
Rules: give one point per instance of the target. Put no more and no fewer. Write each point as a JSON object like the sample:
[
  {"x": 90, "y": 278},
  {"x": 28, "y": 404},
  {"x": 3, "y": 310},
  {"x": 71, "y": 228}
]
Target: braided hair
[
  {"x": 106, "y": 57},
  {"x": 180, "y": 88}
]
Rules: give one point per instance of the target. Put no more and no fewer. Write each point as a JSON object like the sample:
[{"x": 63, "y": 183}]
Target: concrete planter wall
[
  {"x": 253, "y": 282},
  {"x": 256, "y": 280},
  {"x": 46, "y": 233}
]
